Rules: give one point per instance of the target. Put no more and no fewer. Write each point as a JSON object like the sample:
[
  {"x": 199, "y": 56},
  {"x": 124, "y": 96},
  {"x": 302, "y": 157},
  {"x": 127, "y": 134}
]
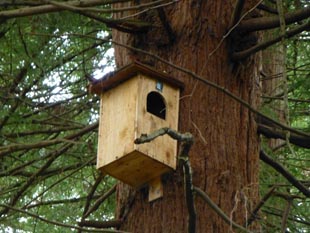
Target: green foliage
[
  {"x": 44, "y": 62},
  {"x": 294, "y": 159}
]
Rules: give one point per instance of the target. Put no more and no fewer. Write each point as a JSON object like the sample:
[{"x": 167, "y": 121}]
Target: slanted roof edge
[{"x": 119, "y": 76}]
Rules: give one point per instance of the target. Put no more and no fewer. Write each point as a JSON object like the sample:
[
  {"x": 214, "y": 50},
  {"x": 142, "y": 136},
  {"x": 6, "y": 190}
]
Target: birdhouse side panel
[
  {"x": 117, "y": 122},
  {"x": 163, "y": 148}
]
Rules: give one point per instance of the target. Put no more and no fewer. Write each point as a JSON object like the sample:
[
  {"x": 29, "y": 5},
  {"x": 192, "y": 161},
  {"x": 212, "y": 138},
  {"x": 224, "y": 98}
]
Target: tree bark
[
  {"x": 225, "y": 154},
  {"x": 272, "y": 78}
]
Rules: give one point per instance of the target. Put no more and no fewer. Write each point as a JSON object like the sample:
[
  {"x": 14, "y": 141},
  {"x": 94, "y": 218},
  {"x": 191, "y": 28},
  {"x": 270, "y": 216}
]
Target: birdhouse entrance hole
[{"x": 155, "y": 104}]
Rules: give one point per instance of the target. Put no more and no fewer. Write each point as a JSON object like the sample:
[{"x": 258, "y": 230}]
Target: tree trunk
[
  {"x": 272, "y": 84},
  {"x": 224, "y": 157}
]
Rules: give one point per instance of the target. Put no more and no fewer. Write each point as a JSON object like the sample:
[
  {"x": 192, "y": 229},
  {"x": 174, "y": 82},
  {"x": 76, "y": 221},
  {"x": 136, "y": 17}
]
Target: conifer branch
[
  {"x": 279, "y": 168},
  {"x": 55, "y": 223},
  {"x": 264, "y": 23},
  {"x": 265, "y": 44}
]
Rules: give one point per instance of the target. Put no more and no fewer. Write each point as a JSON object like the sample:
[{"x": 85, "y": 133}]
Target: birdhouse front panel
[
  {"x": 137, "y": 100},
  {"x": 159, "y": 108}
]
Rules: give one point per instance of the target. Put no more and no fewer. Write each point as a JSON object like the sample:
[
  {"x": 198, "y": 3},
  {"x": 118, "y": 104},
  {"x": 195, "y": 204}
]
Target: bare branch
[
  {"x": 263, "y": 45},
  {"x": 267, "y": 9},
  {"x": 279, "y": 168},
  {"x": 60, "y": 180},
  {"x": 213, "y": 206},
  {"x": 40, "y": 131},
  {"x": 211, "y": 84},
  {"x": 189, "y": 189},
  {"x": 188, "y": 140},
  {"x": 91, "y": 193},
  {"x": 99, "y": 201},
  {"x": 6, "y": 3},
  {"x": 5, "y": 150},
  {"x": 294, "y": 219},
  {"x": 166, "y": 25},
  {"x": 58, "y": 202},
  {"x": 264, "y": 23},
  {"x": 187, "y": 137},
  {"x": 57, "y": 223},
  {"x": 100, "y": 224},
  {"x": 237, "y": 12},
  {"x": 286, "y": 215},
  {"x": 289, "y": 99},
  {"x": 253, "y": 215},
  {"x": 130, "y": 26},
  {"x": 90, "y": 196},
  {"x": 276, "y": 133},
  {"x": 23, "y": 188},
  {"x": 49, "y": 8}
]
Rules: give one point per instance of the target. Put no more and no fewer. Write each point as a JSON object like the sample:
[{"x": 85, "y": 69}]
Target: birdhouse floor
[{"x": 136, "y": 169}]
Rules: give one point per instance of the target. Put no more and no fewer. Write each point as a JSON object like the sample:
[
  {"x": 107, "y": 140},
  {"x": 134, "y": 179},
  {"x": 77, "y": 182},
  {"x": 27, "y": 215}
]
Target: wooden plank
[
  {"x": 156, "y": 189},
  {"x": 164, "y": 148},
  {"x": 117, "y": 122},
  {"x": 136, "y": 169}
]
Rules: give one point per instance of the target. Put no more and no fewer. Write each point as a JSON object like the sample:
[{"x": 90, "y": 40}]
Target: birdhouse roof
[{"x": 119, "y": 76}]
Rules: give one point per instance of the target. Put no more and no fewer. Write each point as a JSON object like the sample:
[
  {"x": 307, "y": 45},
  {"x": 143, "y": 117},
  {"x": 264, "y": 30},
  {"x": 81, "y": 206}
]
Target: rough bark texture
[
  {"x": 272, "y": 83},
  {"x": 224, "y": 157}
]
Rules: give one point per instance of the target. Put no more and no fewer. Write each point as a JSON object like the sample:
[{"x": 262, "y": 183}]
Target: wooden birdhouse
[{"x": 135, "y": 100}]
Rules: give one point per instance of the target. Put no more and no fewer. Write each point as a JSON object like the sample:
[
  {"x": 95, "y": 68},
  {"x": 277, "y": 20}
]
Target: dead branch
[
  {"x": 289, "y": 99},
  {"x": 23, "y": 188},
  {"x": 268, "y": 9},
  {"x": 100, "y": 224},
  {"x": 213, "y": 206},
  {"x": 49, "y": 8},
  {"x": 40, "y": 131},
  {"x": 189, "y": 188},
  {"x": 100, "y": 200},
  {"x": 7, "y": 3},
  {"x": 265, "y": 44},
  {"x": 264, "y": 23},
  {"x": 129, "y": 26},
  {"x": 17, "y": 80},
  {"x": 166, "y": 25},
  {"x": 188, "y": 141},
  {"x": 5, "y": 150},
  {"x": 186, "y": 137},
  {"x": 59, "y": 202},
  {"x": 279, "y": 168},
  {"x": 294, "y": 219},
  {"x": 286, "y": 215},
  {"x": 60, "y": 180},
  {"x": 276, "y": 133},
  {"x": 90, "y": 197},
  {"x": 21, "y": 171},
  {"x": 142, "y": 6},
  {"x": 253, "y": 215},
  {"x": 52, "y": 105},
  {"x": 57, "y": 223},
  {"x": 287, "y": 196},
  {"x": 237, "y": 12},
  {"x": 91, "y": 194},
  {"x": 211, "y": 84},
  {"x": 188, "y": 180}
]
